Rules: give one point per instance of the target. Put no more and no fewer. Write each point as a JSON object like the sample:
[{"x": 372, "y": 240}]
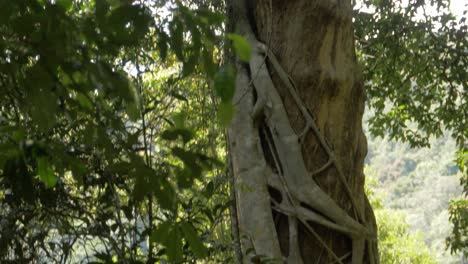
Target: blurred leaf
[
  {"x": 168, "y": 235},
  {"x": 190, "y": 64},
  {"x": 209, "y": 190},
  {"x": 104, "y": 257},
  {"x": 212, "y": 18},
  {"x": 161, "y": 233},
  {"x": 142, "y": 175},
  {"x": 184, "y": 178},
  {"x": 179, "y": 96},
  {"x": 225, "y": 113},
  {"x": 189, "y": 159},
  {"x": 179, "y": 119},
  {"x": 224, "y": 82},
  {"x": 42, "y": 101},
  {"x": 162, "y": 43},
  {"x": 174, "y": 245},
  {"x": 173, "y": 134},
  {"x": 165, "y": 194},
  {"x": 133, "y": 111},
  {"x": 65, "y": 4},
  {"x": 176, "y": 30},
  {"x": 120, "y": 167},
  {"x": 129, "y": 24},
  {"x": 78, "y": 170},
  {"x": 208, "y": 64},
  {"x": 241, "y": 46},
  {"x": 84, "y": 101},
  {"x": 194, "y": 241},
  {"x": 46, "y": 172}
]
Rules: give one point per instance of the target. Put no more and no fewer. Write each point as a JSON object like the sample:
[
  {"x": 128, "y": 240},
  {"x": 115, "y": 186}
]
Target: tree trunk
[{"x": 296, "y": 139}]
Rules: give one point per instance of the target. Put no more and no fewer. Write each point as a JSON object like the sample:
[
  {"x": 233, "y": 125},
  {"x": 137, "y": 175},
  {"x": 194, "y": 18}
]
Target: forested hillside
[{"x": 417, "y": 184}]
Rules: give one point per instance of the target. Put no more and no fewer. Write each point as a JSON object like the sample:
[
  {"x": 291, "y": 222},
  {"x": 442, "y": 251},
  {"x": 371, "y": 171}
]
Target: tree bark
[{"x": 296, "y": 140}]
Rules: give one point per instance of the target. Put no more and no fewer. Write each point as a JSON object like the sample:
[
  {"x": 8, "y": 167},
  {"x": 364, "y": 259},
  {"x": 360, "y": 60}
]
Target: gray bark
[{"x": 296, "y": 140}]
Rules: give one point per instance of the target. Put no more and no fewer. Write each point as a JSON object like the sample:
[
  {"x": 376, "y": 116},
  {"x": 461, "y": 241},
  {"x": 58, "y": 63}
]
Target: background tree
[
  {"x": 414, "y": 60},
  {"x": 396, "y": 243}
]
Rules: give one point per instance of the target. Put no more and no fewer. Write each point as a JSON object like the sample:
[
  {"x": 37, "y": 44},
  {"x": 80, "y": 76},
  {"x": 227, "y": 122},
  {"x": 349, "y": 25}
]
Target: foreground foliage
[
  {"x": 414, "y": 59},
  {"x": 97, "y": 162}
]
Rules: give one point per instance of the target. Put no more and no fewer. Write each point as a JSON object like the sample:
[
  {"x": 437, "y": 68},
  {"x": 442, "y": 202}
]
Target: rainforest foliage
[{"x": 112, "y": 117}]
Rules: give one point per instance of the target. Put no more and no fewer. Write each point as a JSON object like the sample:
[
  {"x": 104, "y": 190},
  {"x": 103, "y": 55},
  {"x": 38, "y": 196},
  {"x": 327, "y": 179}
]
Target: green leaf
[
  {"x": 120, "y": 167},
  {"x": 210, "y": 17},
  {"x": 225, "y": 84},
  {"x": 178, "y": 96},
  {"x": 241, "y": 46},
  {"x": 133, "y": 111},
  {"x": 65, "y": 4},
  {"x": 41, "y": 100},
  {"x": 194, "y": 241},
  {"x": 225, "y": 113},
  {"x": 162, "y": 42},
  {"x": 128, "y": 211},
  {"x": 169, "y": 235},
  {"x": 179, "y": 119},
  {"x": 189, "y": 65},
  {"x": 165, "y": 194},
  {"x": 209, "y": 190},
  {"x": 176, "y": 30},
  {"x": 174, "y": 246},
  {"x": 189, "y": 159},
  {"x": 84, "y": 101},
  {"x": 104, "y": 257},
  {"x": 161, "y": 233},
  {"x": 139, "y": 191},
  {"x": 173, "y": 134},
  {"x": 142, "y": 175},
  {"x": 46, "y": 173},
  {"x": 102, "y": 7},
  {"x": 78, "y": 170},
  {"x": 52, "y": 245},
  {"x": 129, "y": 24},
  {"x": 208, "y": 64}
]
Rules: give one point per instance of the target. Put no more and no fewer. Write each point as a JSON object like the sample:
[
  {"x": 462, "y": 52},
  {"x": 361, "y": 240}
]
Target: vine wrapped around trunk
[{"x": 296, "y": 140}]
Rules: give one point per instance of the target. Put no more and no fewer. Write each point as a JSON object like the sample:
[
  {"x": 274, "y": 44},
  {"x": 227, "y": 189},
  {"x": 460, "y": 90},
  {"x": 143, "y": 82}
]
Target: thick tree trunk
[{"x": 296, "y": 140}]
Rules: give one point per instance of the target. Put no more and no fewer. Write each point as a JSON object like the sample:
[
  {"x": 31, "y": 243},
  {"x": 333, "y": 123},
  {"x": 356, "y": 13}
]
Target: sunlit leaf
[
  {"x": 65, "y": 4},
  {"x": 241, "y": 46},
  {"x": 46, "y": 172}
]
